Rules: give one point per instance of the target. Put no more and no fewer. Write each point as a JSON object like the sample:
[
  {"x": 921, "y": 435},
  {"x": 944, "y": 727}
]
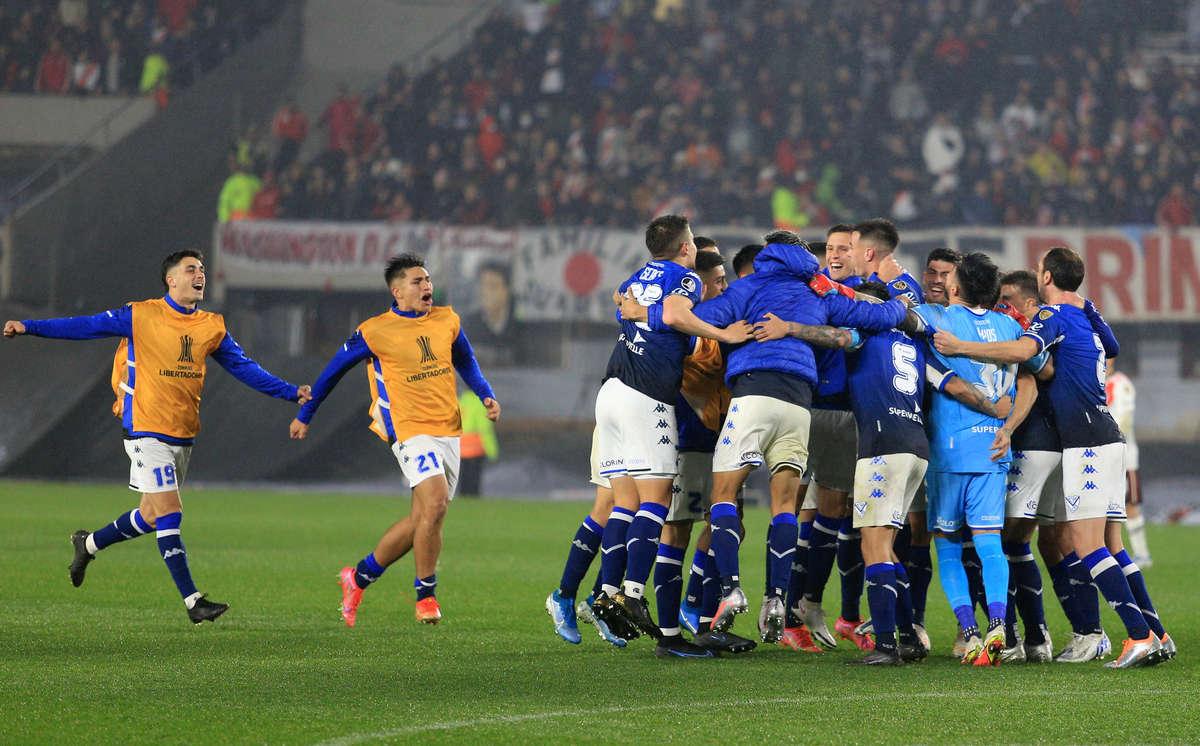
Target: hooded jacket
[{"x": 779, "y": 285}]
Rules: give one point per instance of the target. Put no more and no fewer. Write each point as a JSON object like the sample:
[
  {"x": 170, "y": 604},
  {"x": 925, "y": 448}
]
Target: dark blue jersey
[
  {"x": 830, "y": 392},
  {"x": 646, "y": 360},
  {"x": 693, "y": 435},
  {"x": 1037, "y": 432},
  {"x": 1077, "y": 392},
  {"x": 887, "y": 384},
  {"x": 905, "y": 284}
]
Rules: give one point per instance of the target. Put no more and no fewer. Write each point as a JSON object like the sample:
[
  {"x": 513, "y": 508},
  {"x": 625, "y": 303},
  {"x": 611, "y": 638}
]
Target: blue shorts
[{"x": 978, "y": 498}]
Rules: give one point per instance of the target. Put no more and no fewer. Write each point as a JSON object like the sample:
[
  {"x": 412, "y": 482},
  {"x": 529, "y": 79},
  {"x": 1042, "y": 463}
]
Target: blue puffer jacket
[{"x": 779, "y": 285}]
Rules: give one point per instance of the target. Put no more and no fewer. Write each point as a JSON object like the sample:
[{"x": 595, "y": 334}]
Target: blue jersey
[
  {"x": 646, "y": 360},
  {"x": 887, "y": 383},
  {"x": 1077, "y": 391},
  {"x": 1037, "y": 432},
  {"x": 905, "y": 284},
  {"x": 831, "y": 367},
  {"x": 693, "y": 435},
  {"x": 960, "y": 437}
]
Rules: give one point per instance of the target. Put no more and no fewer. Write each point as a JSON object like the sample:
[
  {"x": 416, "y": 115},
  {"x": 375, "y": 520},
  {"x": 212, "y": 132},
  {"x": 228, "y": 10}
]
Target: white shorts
[
  {"x": 763, "y": 429},
  {"x": 1034, "y": 477},
  {"x": 884, "y": 487},
  {"x": 833, "y": 449},
  {"x": 156, "y": 466},
  {"x": 424, "y": 456},
  {"x": 1131, "y": 453},
  {"x": 1093, "y": 481},
  {"x": 810, "y": 495},
  {"x": 596, "y": 479},
  {"x": 919, "y": 504},
  {"x": 636, "y": 434},
  {"x": 691, "y": 494}
]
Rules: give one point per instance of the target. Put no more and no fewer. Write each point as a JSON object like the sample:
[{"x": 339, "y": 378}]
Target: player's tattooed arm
[
  {"x": 913, "y": 324},
  {"x": 773, "y": 327},
  {"x": 1026, "y": 395},
  {"x": 973, "y": 397}
]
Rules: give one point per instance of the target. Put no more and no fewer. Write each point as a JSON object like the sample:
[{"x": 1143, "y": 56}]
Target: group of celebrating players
[{"x": 966, "y": 411}]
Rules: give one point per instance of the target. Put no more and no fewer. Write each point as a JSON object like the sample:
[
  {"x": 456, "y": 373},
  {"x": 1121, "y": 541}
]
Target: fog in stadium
[{"x": 550, "y": 165}]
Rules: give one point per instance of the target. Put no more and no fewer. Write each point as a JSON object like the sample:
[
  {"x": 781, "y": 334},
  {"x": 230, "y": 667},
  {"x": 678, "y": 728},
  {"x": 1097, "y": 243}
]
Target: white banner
[{"x": 569, "y": 274}]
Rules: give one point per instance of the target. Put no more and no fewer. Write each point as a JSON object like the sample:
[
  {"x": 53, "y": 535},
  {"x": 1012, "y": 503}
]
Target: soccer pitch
[{"x": 117, "y": 661}]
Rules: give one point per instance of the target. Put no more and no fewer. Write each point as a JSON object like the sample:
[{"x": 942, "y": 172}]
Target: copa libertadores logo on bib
[
  {"x": 427, "y": 355},
  {"x": 185, "y": 349}
]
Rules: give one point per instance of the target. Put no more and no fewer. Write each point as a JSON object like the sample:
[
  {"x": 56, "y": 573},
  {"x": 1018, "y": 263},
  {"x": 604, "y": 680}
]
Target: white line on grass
[{"x": 357, "y": 738}]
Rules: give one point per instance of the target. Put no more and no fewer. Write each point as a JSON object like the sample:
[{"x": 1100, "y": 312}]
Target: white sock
[
  {"x": 634, "y": 590},
  {"x": 1137, "y": 536},
  {"x": 191, "y": 600},
  {"x": 91, "y": 544}
]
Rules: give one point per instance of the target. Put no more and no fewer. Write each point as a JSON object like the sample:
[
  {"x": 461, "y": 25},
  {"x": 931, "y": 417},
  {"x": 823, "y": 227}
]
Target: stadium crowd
[
  {"x": 782, "y": 112},
  {"x": 119, "y": 47}
]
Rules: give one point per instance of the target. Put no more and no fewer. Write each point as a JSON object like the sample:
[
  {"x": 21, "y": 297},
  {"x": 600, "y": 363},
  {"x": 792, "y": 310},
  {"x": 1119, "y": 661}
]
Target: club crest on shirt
[
  {"x": 1045, "y": 314},
  {"x": 900, "y": 285}
]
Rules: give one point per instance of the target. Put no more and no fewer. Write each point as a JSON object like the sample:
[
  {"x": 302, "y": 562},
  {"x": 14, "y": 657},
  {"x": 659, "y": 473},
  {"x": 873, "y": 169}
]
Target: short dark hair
[
  {"x": 784, "y": 237},
  {"x": 839, "y": 228},
  {"x": 398, "y": 265},
  {"x": 817, "y": 249},
  {"x": 943, "y": 254},
  {"x": 1023, "y": 280},
  {"x": 1065, "y": 268},
  {"x": 704, "y": 242},
  {"x": 664, "y": 234},
  {"x": 880, "y": 232},
  {"x": 745, "y": 256},
  {"x": 978, "y": 280},
  {"x": 172, "y": 261},
  {"x": 873, "y": 288},
  {"x": 707, "y": 261}
]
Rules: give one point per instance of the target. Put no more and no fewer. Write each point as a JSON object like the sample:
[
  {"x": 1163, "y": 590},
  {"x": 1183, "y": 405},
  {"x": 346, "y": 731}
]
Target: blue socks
[
  {"x": 1137, "y": 586},
  {"x": 954, "y": 581},
  {"x": 822, "y": 552},
  {"x": 904, "y": 610},
  {"x": 920, "y": 573},
  {"x": 850, "y": 566},
  {"x": 1084, "y": 591},
  {"x": 642, "y": 546},
  {"x": 1025, "y": 585},
  {"x": 173, "y": 553},
  {"x": 781, "y": 541},
  {"x": 127, "y": 526},
  {"x": 695, "y": 584},
  {"x": 1060, "y": 578},
  {"x": 367, "y": 572},
  {"x": 612, "y": 548},
  {"x": 1107, "y": 573},
  {"x": 668, "y": 583},
  {"x": 799, "y": 572},
  {"x": 425, "y": 587},
  {"x": 579, "y": 559},
  {"x": 995, "y": 573},
  {"x": 881, "y": 600},
  {"x": 726, "y": 537}
]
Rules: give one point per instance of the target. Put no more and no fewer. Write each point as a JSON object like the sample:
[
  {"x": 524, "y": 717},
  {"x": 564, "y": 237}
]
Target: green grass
[{"x": 116, "y": 661}]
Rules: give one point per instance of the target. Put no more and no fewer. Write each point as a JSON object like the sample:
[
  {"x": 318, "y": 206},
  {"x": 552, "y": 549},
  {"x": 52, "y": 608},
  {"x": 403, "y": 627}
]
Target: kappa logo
[
  {"x": 1072, "y": 503},
  {"x": 876, "y": 494},
  {"x": 660, "y": 408},
  {"x": 878, "y": 461},
  {"x": 876, "y": 477},
  {"x": 1012, "y": 487},
  {"x": 734, "y": 408},
  {"x": 661, "y": 425},
  {"x": 729, "y": 425},
  {"x": 1090, "y": 485},
  {"x": 426, "y": 347},
  {"x": 1014, "y": 471},
  {"x": 726, "y": 441},
  {"x": 137, "y": 449},
  {"x": 1019, "y": 454},
  {"x": 185, "y": 350},
  {"x": 676, "y": 489},
  {"x": 140, "y": 465},
  {"x": 172, "y": 552},
  {"x": 583, "y": 546},
  {"x": 664, "y": 441},
  {"x": 1089, "y": 469},
  {"x": 860, "y": 508},
  {"x": 1089, "y": 453}
]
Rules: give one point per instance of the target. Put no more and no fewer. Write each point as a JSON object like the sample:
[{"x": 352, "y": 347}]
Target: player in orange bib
[
  {"x": 412, "y": 351},
  {"x": 157, "y": 376}
]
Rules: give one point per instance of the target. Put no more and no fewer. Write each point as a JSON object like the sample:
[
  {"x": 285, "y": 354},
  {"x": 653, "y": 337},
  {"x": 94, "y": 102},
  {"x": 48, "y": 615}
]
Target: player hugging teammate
[{"x": 979, "y": 417}]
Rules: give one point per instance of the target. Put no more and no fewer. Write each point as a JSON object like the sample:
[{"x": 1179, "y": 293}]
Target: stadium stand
[{"x": 1008, "y": 112}]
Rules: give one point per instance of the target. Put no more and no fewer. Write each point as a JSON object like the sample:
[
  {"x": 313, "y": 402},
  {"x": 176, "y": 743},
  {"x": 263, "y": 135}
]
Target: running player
[
  {"x": 970, "y": 454},
  {"x": 769, "y": 417},
  {"x": 413, "y": 350},
  {"x": 1093, "y": 449},
  {"x": 168, "y": 340},
  {"x": 1121, "y": 398},
  {"x": 635, "y": 414}
]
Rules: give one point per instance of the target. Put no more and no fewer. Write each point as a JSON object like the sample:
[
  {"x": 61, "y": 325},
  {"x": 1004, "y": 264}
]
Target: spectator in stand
[
  {"x": 237, "y": 195},
  {"x": 289, "y": 128},
  {"x": 265, "y": 204},
  {"x": 1176, "y": 209},
  {"x": 54, "y": 70},
  {"x": 943, "y": 146},
  {"x": 341, "y": 119}
]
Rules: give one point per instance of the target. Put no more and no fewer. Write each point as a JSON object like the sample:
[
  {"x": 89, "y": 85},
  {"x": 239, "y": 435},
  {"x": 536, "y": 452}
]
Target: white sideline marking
[{"x": 357, "y": 738}]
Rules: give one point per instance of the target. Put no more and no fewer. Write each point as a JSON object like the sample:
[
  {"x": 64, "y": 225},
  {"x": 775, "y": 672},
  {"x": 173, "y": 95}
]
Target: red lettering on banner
[
  {"x": 371, "y": 248},
  {"x": 1152, "y": 272},
  {"x": 1183, "y": 267},
  {"x": 1037, "y": 246},
  {"x": 1094, "y": 250}
]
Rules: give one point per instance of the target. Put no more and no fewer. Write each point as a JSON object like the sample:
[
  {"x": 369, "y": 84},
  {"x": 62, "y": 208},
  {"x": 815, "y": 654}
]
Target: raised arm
[
  {"x": 463, "y": 358},
  {"x": 351, "y": 354},
  {"x": 116, "y": 323},
  {"x": 230, "y": 356}
]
